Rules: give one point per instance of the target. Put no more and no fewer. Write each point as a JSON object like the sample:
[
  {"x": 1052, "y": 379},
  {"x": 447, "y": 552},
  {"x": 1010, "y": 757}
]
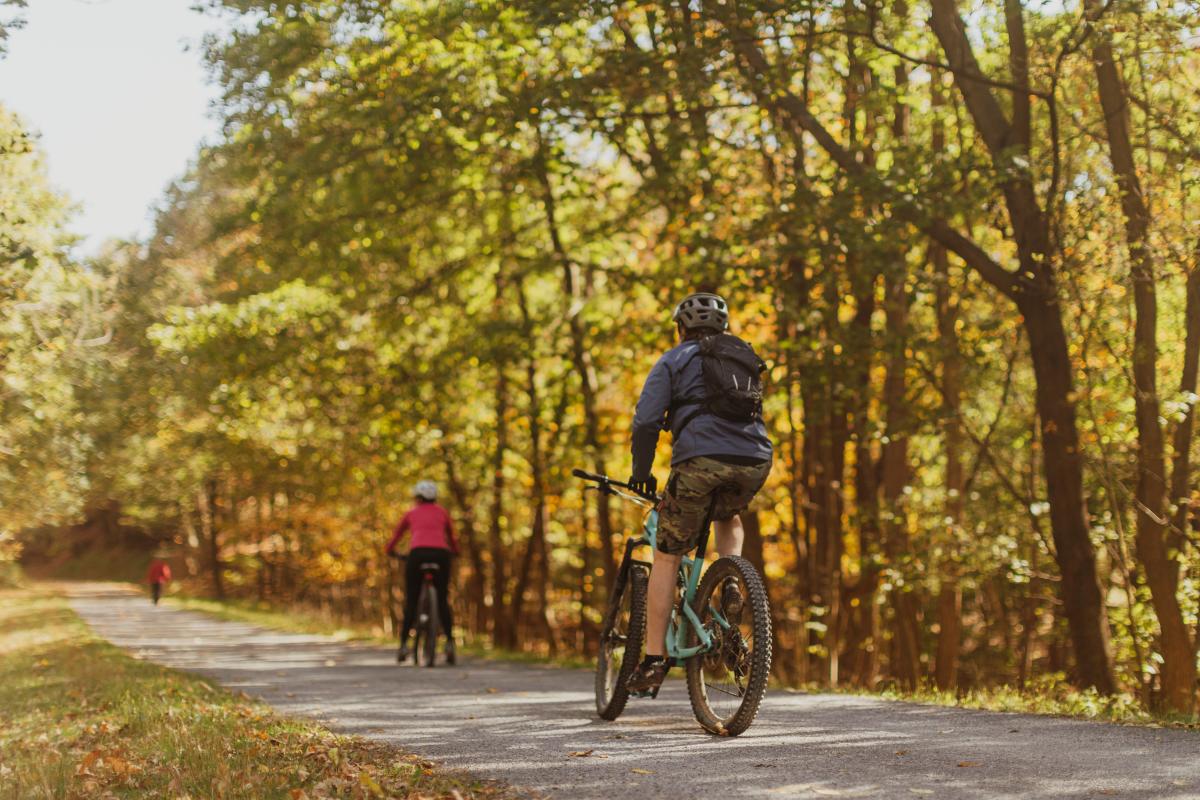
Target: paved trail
[{"x": 520, "y": 724}]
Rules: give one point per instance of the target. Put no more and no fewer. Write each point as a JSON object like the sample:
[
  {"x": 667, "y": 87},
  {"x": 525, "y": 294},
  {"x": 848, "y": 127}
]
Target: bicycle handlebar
[{"x": 608, "y": 484}]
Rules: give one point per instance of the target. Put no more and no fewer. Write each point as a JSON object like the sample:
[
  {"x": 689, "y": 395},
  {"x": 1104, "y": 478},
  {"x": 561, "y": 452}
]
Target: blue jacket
[{"x": 680, "y": 376}]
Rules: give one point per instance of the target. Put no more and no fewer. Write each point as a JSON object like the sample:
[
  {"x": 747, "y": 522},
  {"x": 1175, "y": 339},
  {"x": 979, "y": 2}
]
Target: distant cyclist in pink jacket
[{"x": 432, "y": 542}]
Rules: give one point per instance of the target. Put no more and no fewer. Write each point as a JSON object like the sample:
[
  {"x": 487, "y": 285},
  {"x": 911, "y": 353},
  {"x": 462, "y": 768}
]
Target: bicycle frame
[{"x": 690, "y": 568}]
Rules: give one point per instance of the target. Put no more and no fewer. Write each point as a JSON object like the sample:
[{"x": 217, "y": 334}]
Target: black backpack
[{"x": 733, "y": 386}]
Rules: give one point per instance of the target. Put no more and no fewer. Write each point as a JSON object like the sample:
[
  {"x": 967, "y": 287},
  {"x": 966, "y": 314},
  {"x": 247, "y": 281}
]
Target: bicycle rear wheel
[
  {"x": 432, "y": 625},
  {"x": 621, "y": 643},
  {"x": 727, "y": 684}
]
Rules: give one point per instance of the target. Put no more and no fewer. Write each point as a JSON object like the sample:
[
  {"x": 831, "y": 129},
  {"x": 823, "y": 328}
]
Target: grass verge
[
  {"x": 82, "y": 719},
  {"x": 1054, "y": 698}
]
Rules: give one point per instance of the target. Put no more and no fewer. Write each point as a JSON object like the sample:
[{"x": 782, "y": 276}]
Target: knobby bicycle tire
[
  {"x": 760, "y": 657},
  {"x": 631, "y": 595}
]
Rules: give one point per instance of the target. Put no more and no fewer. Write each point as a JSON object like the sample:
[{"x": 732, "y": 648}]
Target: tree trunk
[
  {"x": 470, "y": 537},
  {"x": 500, "y": 618},
  {"x": 950, "y": 594},
  {"x": 581, "y": 357},
  {"x": 1083, "y": 602},
  {"x": 949, "y": 601},
  {"x": 906, "y": 638},
  {"x": 1035, "y": 293},
  {"x": 906, "y": 634},
  {"x": 535, "y": 550},
  {"x": 210, "y": 522},
  {"x": 1035, "y": 297},
  {"x": 1181, "y": 463},
  {"x": 863, "y": 639},
  {"x": 260, "y": 573},
  {"x": 1160, "y": 562}
]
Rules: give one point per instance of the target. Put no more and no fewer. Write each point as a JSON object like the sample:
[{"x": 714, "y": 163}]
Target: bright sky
[{"x": 118, "y": 92}]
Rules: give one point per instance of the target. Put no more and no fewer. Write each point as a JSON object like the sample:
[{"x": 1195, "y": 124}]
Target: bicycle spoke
[{"x": 738, "y": 694}]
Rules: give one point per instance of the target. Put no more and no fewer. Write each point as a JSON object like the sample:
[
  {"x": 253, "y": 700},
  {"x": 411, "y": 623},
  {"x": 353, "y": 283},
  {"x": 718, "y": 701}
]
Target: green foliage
[
  {"x": 10, "y": 21},
  {"x": 442, "y": 239},
  {"x": 49, "y": 315}
]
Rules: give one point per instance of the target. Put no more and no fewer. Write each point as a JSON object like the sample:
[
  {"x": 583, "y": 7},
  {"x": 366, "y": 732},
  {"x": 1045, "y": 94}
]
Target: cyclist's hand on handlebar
[{"x": 646, "y": 487}]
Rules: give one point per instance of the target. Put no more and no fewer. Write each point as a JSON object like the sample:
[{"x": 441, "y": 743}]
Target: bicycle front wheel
[
  {"x": 621, "y": 643},
  {"x": 727, "y": 683}
]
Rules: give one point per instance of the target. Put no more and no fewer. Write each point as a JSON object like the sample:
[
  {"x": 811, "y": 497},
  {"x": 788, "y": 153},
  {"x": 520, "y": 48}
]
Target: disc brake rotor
[
  {"x": 735, "y": 654},
  {"x": 713, "y": 656}
]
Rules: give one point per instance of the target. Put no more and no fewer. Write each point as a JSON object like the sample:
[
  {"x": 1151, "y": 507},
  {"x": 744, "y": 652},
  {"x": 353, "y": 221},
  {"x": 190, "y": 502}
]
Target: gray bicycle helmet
[
  {"x": 702, "y": 310},
  {"x": 426, "y": 490}
]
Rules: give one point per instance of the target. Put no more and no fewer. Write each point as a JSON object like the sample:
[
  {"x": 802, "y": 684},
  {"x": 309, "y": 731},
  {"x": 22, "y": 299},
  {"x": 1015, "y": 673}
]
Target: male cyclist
[
  {"x": 719, "y": 462},
  {"x": 432, "y": 542}
]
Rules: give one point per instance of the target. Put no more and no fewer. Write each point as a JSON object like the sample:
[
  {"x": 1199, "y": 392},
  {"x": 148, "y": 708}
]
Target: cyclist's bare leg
[
  {"x": 729, "y": 534},
  {"x": 661, "y": 594},
  {"x": 660, "y": 598}
]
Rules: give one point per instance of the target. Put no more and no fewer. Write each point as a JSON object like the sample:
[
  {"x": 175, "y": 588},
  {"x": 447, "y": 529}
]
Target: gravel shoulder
[{"x": 535, "y": 727}]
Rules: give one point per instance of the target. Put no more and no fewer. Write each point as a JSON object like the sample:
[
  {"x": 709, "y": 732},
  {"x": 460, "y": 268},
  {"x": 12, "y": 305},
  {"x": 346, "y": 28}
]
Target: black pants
[
  {"x": 413, "y": 576},
  {"x": 155, "y": 591}
]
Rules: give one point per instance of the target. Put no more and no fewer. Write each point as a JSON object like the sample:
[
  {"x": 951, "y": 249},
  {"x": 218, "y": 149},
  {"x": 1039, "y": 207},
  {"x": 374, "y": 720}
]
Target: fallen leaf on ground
[
  {"x": 370, "y": 785},
  {"x": 968, "y": 763},
  {"x": 638, "y": 771},
  {"x": 901, "y": 752},
  {"x": 87, "y": 762},
  {"x": 581, "y": 753}
]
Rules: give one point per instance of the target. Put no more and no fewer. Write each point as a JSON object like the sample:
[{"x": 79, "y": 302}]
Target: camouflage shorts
[{"x": 690, "y": 492}]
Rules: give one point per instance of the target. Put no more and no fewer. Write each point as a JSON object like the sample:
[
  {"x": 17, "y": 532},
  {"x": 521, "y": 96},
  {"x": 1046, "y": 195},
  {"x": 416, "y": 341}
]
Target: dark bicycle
[
  {"x": 720, "y": 627},
  {"x": 428, "y": 620}
]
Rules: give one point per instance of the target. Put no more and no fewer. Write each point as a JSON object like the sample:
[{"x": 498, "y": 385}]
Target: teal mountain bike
[{"x": 720, "y": 627}]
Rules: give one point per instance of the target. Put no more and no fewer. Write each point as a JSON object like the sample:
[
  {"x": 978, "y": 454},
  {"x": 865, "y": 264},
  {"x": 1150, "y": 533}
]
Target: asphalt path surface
[{"x": 536, "y": 729}]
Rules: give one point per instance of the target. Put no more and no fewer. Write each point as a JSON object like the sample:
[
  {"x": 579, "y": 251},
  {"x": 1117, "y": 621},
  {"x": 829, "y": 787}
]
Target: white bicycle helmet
[
  {"x": 702, "y": 310},
  {"x": 426, "y": 490}
]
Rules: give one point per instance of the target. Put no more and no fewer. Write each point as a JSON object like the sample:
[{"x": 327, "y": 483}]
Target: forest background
[{"x": 443, "y": 239}]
